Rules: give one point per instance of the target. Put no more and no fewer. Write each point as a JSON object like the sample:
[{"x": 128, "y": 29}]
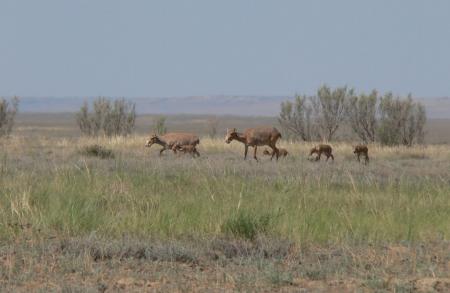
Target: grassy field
[
  {"x": 73, "y": 221},
  {"x": 63, "y": 125}
]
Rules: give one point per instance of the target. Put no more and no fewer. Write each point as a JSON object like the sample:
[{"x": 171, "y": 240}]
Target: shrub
[
  {"x": 329, "y": 109},
  {"x": 213, "y": 125},
  {"x": 8, "y": 111},
  {"x": 362, "y": 115},
  {"x": 318, "y": 116},
  {"x": 246, "y": 225},
  {"x": 97, "y": 151},
  {"x": 295, "y": 118},
  {"x": 107, "y": 118},
  {"x": 402, "y": 121},
  {"x": 160, "y": 125},
  {"x": 385, "y": 119}
]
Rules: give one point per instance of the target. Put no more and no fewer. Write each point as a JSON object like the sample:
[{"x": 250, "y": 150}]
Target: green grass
[
  {"x": 176, "y": 197},
  {"x": 247, "y": 225},
  {"x": 74, "y": 222}
]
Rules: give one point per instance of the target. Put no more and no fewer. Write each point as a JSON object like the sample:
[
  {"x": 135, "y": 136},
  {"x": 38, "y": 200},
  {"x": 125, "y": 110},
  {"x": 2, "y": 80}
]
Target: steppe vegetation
[
  {"x": 139, "y": 221},
  {"x": 371, "y": 118},
  {"x": 101, "y": 212},
  {"x": 108, "y": 118},
  {"x": 8, "y": 111}
]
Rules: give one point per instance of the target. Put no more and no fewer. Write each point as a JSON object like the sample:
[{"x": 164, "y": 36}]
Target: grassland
[
  {"x": 136, "y": 221},
  {"x": 63, "y": 125}
]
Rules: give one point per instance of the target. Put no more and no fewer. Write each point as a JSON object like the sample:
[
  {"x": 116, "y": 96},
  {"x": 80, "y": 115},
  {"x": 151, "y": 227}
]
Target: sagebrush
[
  {"x": 109, "y": 118},
  {"x": 8, "y": 111},
  {"x": 384, "y": 119}
]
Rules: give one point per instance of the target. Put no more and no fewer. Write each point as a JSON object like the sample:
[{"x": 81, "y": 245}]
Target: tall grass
[{"x": 52, "y": 189}]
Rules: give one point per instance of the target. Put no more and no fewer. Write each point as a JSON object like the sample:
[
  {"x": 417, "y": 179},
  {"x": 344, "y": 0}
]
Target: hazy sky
[{"x": 231, "y": 47}]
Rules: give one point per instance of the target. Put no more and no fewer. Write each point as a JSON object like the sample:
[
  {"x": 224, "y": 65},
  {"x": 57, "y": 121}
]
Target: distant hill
[{"x": 214, "y": 105}]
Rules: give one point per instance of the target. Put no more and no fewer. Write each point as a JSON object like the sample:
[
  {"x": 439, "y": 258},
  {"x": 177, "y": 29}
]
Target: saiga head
[
  {"x": 314, "y": 150},
  {"x": 153, "y": 139},
  {"x": 231, "y": 134}
]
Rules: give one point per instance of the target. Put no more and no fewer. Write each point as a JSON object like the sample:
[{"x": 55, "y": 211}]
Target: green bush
[
  {"x": 159, "y": 127},
  {"x": 97, "y": 151},
  {"x": 386, "y": 119},
  {"x": 8, "y": 111},
  {"x": 110, "y": 118},
  {"x": 246, "y": 225}
]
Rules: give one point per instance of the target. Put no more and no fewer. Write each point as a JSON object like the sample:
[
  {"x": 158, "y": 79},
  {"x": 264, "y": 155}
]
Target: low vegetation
[
  {"x": 219, "y": 221},
  {"x": 137, "y": 221},
  {"x": 96, "y": 150},
  {"x": 247, "y": 225},
  {"x": 400, "y": 195},
  {"x": 109, "y": 118},
  {"x": 8, "y": 111},
  {"x": 159, "y": 125}
]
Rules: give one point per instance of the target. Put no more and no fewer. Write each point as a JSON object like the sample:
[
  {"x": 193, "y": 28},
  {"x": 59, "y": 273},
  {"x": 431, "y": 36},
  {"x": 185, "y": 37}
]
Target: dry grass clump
[{"x": 97, "y": 151}]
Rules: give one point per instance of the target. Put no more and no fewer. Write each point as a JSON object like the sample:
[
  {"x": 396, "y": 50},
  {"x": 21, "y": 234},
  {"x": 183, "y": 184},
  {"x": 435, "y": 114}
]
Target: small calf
[
  {"x": 281, "y": 152},
  {"x": 362, "y": 150},
  {"x": 322, "y": 149},
  {"x": 187, "y": 149}
]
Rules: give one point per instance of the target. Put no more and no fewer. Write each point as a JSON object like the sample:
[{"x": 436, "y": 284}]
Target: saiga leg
[
  {"x": 274, "y": 151},
  {"x": 254, "y": 153}
]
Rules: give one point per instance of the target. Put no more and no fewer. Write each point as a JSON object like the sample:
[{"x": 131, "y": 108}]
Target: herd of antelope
[{"x": 251, "y": 137}]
